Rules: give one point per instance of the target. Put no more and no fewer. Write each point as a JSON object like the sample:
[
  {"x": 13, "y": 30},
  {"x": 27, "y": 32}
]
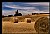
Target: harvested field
[{"x": 22, "y": 27}]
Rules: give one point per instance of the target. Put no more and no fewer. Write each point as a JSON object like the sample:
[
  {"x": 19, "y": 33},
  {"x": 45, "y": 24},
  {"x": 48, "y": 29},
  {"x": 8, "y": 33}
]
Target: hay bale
[
  {"x": 41, "y": 25},
  {"x": 28, "y": 20},
  {"x": 15, "y": 20}
]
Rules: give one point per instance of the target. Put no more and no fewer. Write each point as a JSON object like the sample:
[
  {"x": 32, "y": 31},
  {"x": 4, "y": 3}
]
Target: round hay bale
[
  {"x": 41, "y": 25},
  {"x": 16, "y": 20},
  {"x": 28, "y": 20}
]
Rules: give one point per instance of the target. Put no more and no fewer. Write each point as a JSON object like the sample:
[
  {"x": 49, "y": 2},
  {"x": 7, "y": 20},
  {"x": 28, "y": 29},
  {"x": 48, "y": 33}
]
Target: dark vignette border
[
  {"x": 49, "y": 18},
  {"x": 1, "y": 19},
  {"x": 25, "y": 0}
]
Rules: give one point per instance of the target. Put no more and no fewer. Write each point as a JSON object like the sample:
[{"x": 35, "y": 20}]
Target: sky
[{"x": 9, "y": 8}]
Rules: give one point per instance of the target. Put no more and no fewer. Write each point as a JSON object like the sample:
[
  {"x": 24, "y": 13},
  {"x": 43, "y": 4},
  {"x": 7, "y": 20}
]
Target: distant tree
[
  {"x": 17, "y": 14},
  {"x": 33, "y": 13},
  {"x": 20, "y": 14},
  {"x": 10, "y": 15}
]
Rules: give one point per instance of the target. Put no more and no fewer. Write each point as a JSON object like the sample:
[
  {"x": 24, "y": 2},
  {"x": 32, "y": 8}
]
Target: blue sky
[{"x": 24, "y": 7}]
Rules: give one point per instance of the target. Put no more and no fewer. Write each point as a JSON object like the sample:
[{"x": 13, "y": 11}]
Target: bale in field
[
  {"x": 16, "y": 20},
  {"x": 41, "y": 25},
  {"x": 28, "y": 20}
]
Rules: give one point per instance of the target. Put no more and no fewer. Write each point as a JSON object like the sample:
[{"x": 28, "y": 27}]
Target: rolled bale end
[{"x": 41, "y": 25}]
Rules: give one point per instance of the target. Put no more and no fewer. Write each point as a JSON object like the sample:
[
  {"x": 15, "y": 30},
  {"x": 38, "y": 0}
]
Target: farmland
[{"x": 8, "y": 25}]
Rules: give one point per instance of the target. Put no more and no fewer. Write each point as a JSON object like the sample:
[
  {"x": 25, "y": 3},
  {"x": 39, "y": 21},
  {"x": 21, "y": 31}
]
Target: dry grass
[
  {"x": 9, "y": 25},
  {"x": 21, "y": 18},
  {"x": 7, "y": 19},
  {"x": 21, "y": 27}
]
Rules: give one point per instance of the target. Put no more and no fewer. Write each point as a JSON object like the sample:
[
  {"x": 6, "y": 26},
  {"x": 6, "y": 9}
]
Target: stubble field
[{"x": 22, "y": 27}]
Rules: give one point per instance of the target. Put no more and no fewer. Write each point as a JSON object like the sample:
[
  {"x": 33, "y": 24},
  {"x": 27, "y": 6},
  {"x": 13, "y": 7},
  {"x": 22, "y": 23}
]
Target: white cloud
[
  {"x": 38, "y": 3},
  {"x": 8, "y": 12},
  {"x": 32, "y": 11},
  {"x": 19, "y": 7}
]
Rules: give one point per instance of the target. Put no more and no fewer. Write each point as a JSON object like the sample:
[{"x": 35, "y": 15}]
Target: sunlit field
[{"x": 22, "y": 27}]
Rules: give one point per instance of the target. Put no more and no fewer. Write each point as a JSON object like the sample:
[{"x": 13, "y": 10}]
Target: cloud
[
  {"x": 32, "y": 11},
  {"x": 8, "y": 12},
  {"x": 38, "y": 3},
  {"x": 26, "y": 7},
  {"x": 12, "y": 12},
  {"x": 19, "y": 7}
]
